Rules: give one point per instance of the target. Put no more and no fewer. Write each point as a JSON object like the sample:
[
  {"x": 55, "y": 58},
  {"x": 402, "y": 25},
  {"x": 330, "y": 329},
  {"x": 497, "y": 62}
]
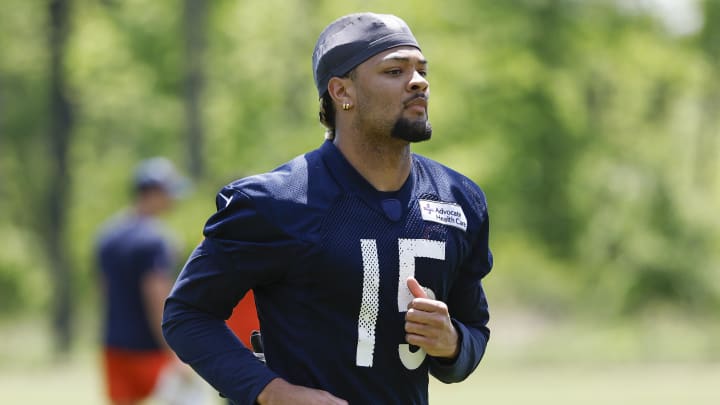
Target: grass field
[
  {"x": 77, "y": 383},
  {"x": 635, "y": 384},
  {"x": 509, "y": 375}
]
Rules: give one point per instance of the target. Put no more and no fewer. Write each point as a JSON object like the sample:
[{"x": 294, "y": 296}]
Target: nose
[{"x": 418, "y": 82}]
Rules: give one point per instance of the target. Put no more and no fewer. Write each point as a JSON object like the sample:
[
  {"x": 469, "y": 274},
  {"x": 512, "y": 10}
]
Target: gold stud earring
[{"x": 346, "y": 106}]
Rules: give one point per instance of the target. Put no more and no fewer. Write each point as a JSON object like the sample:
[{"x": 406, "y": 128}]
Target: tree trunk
[
  {"x": 707, "y": 140},
  {"x": 60, "y": 131},
  {"x": 195, "y": 17}
]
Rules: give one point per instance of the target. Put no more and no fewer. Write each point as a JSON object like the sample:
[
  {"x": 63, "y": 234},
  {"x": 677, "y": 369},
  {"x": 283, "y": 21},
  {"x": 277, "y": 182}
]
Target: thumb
[{"x": 415, "y": 288}]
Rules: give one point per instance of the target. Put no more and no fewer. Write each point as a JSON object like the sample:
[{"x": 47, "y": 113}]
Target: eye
[
  {"x": 394, "y": 72},
  {"x": 422, "y": 72}
]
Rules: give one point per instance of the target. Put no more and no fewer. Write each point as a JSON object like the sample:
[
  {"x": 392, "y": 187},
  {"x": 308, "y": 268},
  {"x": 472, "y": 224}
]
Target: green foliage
[
  {"x": 23, "y": 284},
  {"x": 592, "y": 130}
]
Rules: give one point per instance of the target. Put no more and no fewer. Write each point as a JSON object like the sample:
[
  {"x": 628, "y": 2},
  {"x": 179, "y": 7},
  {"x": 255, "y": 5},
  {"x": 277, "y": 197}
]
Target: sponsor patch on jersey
[{"x": 445, "y": 213}]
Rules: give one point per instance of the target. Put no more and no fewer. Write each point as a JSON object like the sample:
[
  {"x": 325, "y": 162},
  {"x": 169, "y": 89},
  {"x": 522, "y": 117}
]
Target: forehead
[{"x": 403, "y": 53}]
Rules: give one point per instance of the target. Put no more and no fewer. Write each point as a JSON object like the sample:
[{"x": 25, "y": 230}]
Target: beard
[{"x": 412, "y": 131}]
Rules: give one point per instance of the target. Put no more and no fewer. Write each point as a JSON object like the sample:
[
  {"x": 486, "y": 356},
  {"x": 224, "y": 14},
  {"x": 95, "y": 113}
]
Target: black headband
[{"x": 353, "y": 39}]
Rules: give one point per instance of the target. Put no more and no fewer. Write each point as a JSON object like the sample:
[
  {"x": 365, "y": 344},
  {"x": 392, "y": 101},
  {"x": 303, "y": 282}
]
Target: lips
[{"x": 418, "y": 103}]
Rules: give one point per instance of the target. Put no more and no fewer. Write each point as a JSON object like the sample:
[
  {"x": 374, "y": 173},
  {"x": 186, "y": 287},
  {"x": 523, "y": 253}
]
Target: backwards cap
[{"x": 353, "y": 39}]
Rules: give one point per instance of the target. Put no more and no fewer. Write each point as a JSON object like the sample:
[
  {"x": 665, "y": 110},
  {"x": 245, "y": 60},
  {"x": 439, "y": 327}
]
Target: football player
[{"x": 365, "y": 259}]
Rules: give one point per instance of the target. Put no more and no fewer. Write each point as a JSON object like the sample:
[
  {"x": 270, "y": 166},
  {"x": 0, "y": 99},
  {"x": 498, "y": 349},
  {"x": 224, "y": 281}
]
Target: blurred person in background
[{"x": 136, "y": 258}]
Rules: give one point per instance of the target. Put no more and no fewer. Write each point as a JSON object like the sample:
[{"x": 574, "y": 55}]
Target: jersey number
[{"x": 408, "y": 250}]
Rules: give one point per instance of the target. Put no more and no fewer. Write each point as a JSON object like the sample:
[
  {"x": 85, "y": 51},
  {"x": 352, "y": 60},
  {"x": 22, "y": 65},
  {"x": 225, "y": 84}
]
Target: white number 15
[{"x": 408, "y": 250}]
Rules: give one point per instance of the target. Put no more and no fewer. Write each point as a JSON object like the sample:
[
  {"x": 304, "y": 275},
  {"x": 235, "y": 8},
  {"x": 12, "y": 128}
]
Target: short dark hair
[{"x": 327, "y": 115}]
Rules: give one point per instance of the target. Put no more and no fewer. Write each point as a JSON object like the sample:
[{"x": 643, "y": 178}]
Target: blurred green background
[{"x": 592, "y": 125}]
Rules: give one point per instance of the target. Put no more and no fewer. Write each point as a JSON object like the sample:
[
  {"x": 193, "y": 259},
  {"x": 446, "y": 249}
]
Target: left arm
[
  {"x": 155, "y": 286},
  {"x": 455, "y": 347},
  {"x": 454, "y": 334}
]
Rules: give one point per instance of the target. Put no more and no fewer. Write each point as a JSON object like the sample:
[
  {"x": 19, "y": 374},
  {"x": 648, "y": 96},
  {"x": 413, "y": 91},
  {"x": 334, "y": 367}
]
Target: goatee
[{"x": 412, "y": 131}]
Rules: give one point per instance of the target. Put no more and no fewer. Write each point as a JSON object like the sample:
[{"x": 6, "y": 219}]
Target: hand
[
  {"x": 281, "y": 392},
  {"x": 428, "y": 325}
]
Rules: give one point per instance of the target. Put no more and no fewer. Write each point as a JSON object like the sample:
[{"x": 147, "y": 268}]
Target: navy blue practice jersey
[
  {"x": 328, "y": 256},
  {"x": 129, "y": 247}
]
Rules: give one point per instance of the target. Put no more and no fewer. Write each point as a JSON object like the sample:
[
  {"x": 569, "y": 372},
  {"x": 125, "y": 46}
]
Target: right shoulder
[
  {"x": 258, "y": 203},
  {"x": 112, "y": 228}
]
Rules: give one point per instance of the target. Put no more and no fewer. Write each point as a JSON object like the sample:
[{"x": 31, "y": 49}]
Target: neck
[{"x": 385, "y": 164}]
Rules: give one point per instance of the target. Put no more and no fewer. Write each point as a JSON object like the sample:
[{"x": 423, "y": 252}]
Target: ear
[{"x": 341, "y": 90}]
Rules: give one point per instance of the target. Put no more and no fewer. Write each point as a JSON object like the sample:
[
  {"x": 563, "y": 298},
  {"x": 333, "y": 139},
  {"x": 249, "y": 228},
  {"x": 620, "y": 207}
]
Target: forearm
[
  {"x": 155, "y": 288},
  {"x": 472, "y": 343},
  {"x": 213, "y": 351}
]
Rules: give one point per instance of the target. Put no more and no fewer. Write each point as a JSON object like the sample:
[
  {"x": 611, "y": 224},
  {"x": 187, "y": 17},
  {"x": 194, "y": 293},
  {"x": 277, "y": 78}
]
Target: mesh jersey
[
  {"x": 328, "y": 256},
  {"x": 128, "y": 248}
]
